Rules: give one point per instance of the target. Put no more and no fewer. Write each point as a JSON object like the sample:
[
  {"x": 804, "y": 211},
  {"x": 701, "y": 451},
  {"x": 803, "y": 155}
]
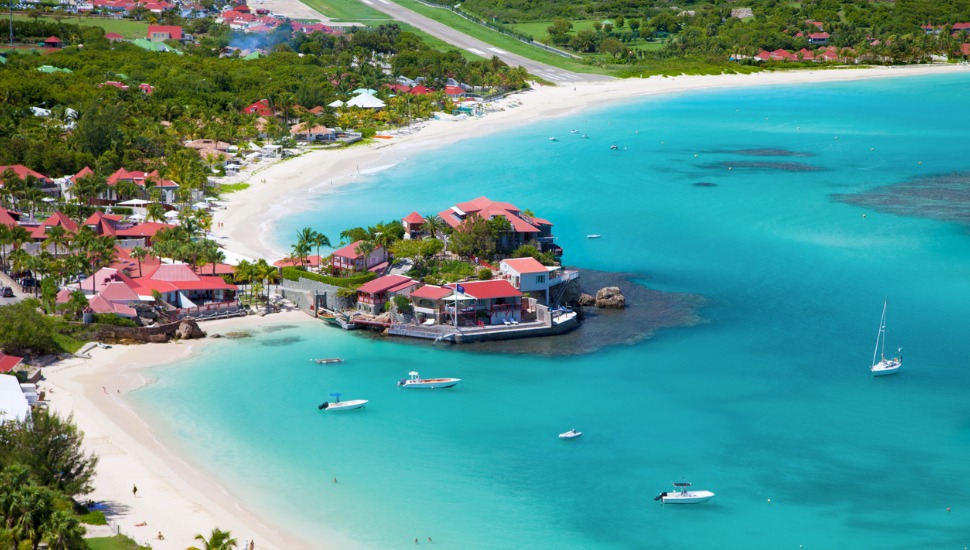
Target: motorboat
[
  {"x": 682, "y": 495},
  {"x": 593, "y": 236},
  {"x": 884, "y": 366},
  {"x": 414, "y": 380},
  {"x": 553, "y": 139},
  {"x": 339, "y": 405},
  {"x": 327, "y": 361},
  {"x": 571, "y": 434},
  {"x": 614, "y": 147}
]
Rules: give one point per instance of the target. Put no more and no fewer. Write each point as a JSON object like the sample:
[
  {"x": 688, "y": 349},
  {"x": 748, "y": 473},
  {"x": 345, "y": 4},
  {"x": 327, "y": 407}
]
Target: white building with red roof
[
  {"x": 525, "y": 229},
  {"x": 350, "y": 258},
  {"x": 39, "y": 232},
  {"x": 413, "y": 223},
  {"x": 158, "y": 33},
  {"x": 529, "y": 275},
  {"x": 496, "y": 301},
  {"x": 23, "y": 172},
  {"x": 372, "y": 295},
  {"x": 184, "y": 288},
  {"x": 116, "y": 298},
  {"x": 145, "y": 180},
  {"x": 143, "y": 231}
]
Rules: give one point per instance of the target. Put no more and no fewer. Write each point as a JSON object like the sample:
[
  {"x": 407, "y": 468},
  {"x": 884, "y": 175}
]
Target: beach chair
[
  {"x": 514, "y": 322},
  {"x": 506, "y": 322}
]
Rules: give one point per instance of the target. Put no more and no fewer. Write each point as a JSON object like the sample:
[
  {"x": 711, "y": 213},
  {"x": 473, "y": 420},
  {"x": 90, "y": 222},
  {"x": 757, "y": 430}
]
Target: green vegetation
[
  {"x": 25, "y": 331},
  {"x": 125, "y": 27},
  {"x": 232, "y": 187},
  {"x": 117, "y": 542},
  {"x": 349, "y": 11},
  {"x": 437, "y": 272},
  {"x": 295, "y": 273},
  {"x": 93, "y": 518}
]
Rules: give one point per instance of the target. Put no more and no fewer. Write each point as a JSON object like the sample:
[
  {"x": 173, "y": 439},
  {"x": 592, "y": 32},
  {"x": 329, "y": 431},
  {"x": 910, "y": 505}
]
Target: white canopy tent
[{"x": 366, "y": 101}]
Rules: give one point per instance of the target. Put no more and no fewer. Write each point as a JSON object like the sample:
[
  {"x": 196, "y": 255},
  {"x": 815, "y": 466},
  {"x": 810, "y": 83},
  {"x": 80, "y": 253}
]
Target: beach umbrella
[
  {"x": 336, "y": 104},
  {"x": 367, "y": 91}
]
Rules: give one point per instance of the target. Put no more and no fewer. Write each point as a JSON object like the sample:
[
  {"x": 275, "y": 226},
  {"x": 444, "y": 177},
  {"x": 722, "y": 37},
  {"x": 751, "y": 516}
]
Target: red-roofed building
[
  {"x": 311, "y": 261},
  {"x": 300, "y": 131},
  {"x": 818, "y": 38},
  {"x": 57, "y": 218},
  {"x": 420, "y": 89},
  {"x": 158, "y": 33},
  {"x": 260, "y": 108},
  {"x": 103, "y": 224},
  {"x": 148, "y": 89},
  {"x": 398, "y": 88},
  {"x": 372, "y": 295},
  {"x": 528, "y": 275},
  {"x": 115, "y": 84},
  {"x": 113, "y": 37},
  {"x": 429, "y": 301},
  {"x": 349, "y": 258},
  {"x": 183, "y": 288},
  {"x": 141, "y": 179},
  {"x": 117, "y": 297},
  {"x": 496, "y": 300},
  {"x": 9, "y": 218},
  {"x": 9, "y": 362},
  {"x": 454, "y": 91},
  {"x": 146, "y": 231},
  {"x": 805, "y": 54},
  {"x": 525, "y": 229},
  {"x": 53, "y": 42},
  {"x": 23, "y": 172},
  {"x": 413, "y": 223},
  {"x": 133, "y": 267},
  {"x": 105, "y": 276}
]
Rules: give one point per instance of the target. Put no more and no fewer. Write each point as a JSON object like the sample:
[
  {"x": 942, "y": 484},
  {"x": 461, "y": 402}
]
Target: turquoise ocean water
[{"x": 769, "y": 397}]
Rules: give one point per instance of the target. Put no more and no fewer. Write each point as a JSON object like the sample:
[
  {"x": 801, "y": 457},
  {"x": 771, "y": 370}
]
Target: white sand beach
[{"x": 174, "y": 496}]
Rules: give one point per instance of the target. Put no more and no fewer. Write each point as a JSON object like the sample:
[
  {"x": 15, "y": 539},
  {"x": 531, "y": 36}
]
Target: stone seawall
[{"x": 156, "y": 334}]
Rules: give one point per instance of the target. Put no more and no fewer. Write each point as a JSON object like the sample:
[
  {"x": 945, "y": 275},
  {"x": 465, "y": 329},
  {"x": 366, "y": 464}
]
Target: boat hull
[
  {"x": 690, "y": 497},
  {"x": 884, "y": 368},
  {"x": 570, "y": 435},
  {"x": 431, "y": 383},
  {"x": 346, "y": 405}
]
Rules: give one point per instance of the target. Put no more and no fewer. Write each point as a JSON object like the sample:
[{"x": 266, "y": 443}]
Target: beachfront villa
[
  {"x": 413, "y": 224},
  {"x": 496, "y": 302},
  {"x": 528, "y": 275},
  {"x": 372, "y": 295},
  {"x": 351, "y": 258},
  {"x": 429, "y": 302},
  {"x": 526, "y": 229}
]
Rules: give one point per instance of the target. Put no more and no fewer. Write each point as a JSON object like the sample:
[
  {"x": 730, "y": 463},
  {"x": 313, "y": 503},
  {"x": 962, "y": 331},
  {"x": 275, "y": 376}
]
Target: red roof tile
[
  {"x": 413, "y": 218},
  {"x": 431, "y": 292},
  {"x": 9, "y": 362},
  {"x": 484, "y": 290},
  {"x": 385, "y": 283},
  {"x": 525, "y": 265},
  {"x": 22, "y": 171}
]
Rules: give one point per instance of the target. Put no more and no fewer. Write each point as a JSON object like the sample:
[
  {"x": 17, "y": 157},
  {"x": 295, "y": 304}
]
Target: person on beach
[
  {"x": 134, "y": 491},
  {"x": 160, "y": 536}
]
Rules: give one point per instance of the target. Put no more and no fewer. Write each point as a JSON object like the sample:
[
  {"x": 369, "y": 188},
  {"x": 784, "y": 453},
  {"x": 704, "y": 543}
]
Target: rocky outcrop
[
  {"x": 611, "y": 298},
  {"x": 188, "y": 329},
  {"x": 586, "y": 300}
]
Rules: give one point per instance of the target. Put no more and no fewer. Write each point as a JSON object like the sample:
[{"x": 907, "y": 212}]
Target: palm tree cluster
[
  {"x": 258, "y": 277},
  {"x": 307, "y": 239}
]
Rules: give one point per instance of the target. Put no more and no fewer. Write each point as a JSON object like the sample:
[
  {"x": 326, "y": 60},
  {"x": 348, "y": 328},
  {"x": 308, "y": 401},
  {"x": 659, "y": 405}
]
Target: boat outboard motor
[
  {"x": 660, "y": 496},
  {"x": 323, "y": 405},
  {"x": 401, "y": 382}
]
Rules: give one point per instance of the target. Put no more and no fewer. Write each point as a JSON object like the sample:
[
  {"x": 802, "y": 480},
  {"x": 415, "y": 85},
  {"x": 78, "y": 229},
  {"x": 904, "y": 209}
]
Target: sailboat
[{"x": 884, "y": 366}]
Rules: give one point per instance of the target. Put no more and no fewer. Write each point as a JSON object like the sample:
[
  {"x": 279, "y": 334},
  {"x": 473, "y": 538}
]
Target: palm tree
[
  {"x": 245, "y": 271},
  {"x": 63, "y": 531},
  {"x": 155, "y": 211},
  {"x": 85, "y": 189},
  {"x": 214, "y": 255},
  {"x": 218, "y": 540},
  {"x": 304, "y": 239},
  {"x": 32, "y": 507},
  {"x": 267, "y": 273},
  {"x": 319, "y": 239},
  {"x": 300, "y": 251},
  {"x": 6, "y": 238},
  {"x": 139, "y": 253},
  {"x": 56, "y": 236},
  {"x": 433, "y": 224},
  {"x": 364, "y": 249}
]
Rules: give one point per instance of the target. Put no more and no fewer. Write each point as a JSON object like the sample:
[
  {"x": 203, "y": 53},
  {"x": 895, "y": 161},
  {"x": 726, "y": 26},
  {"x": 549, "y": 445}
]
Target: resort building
[
  {"x": 429, "y": 302},
  {"x": 143, "y": 180},
  {"x": 524, "y": 229},
  {"x": 496, "y": 302},
  {"x": 350, "y": 258},
  {"x": 528, "y": 275},
  {"x": 372, "y": 295},
  {"x": 413, "y": 224},
  {"x": 183, "y": 288},
  {"x": 39, "y": 232}
]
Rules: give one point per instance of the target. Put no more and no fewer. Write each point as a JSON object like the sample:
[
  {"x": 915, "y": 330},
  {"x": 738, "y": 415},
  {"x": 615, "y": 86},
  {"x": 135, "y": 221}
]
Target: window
[{"x": 540, "y": 278}]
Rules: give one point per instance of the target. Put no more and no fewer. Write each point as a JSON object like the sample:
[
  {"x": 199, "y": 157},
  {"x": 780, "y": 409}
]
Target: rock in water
[
  {"x": 611, "y": 298},
  {"x": 586, "y": 300}
]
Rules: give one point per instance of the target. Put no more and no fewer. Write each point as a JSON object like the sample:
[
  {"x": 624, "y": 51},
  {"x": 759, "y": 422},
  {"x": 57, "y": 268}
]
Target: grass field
[
  {"x": 117, "y": 542},
  {"x": 538, "y": 31},
  {"x": 347, "y": 11},
  {"x": 124, "y": 27},
  {"x": 439, "y": 44}
]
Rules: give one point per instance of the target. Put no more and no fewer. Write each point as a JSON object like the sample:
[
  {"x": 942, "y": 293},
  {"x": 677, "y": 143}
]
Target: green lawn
[
  {"x": 117, "y": 542},
  {"x": 348, "y": 11},
  {"x": 124, "y": 27},
  {"x": 538, "y": 31}
]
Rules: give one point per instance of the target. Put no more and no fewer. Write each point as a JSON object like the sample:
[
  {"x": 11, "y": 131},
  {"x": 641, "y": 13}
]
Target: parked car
[{"x": 6, "y": 292}]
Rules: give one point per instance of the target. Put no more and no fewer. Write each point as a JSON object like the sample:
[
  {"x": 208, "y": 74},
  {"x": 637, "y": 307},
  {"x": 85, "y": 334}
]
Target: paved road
[{"x": 478, "y": 47}]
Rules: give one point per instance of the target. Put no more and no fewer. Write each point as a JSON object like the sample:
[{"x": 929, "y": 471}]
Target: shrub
[
  {"x": 403, "y": 304},
  {"x": 114, "y": 320},
  {"x": 484, "y": 274},
  {"x": 93, "y": 518},
  {"x": 294, "y": 274}
]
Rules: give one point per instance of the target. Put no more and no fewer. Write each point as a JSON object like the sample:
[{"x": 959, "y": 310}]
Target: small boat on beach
[
  {"x": 593, "y": 236},
  {"x": 682, "y": 496},
  {"x": 327, "y": 361},
  {"x": 414, "y": 380},
  {"x": 884, "y": 366},
  {"x": 339, "y": 405},
  {"x": 571, "y": 434}
]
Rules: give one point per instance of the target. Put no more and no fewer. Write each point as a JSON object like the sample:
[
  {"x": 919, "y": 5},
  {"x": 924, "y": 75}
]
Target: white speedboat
[
  {"x": 339, "y": 405},
  {"x": 593, "y": 236},
  {"x": 327, "y": 361},
  {"x": 681, "y": 495},
  {"x": 571, "y": 434},
  {"x": 884, "y": 366},
  {"x": 414, "y": 380}
]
